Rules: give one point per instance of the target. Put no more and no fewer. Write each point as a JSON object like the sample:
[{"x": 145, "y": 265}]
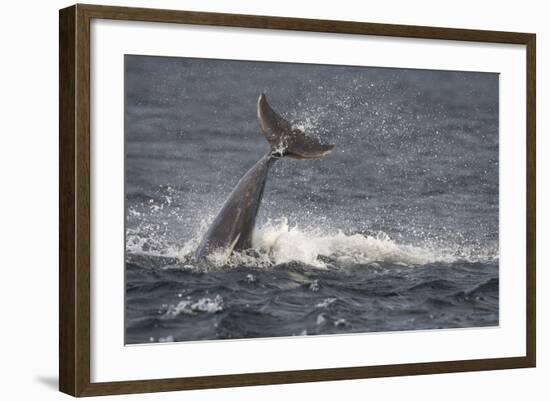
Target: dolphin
[{"x": 232, "y": 228}]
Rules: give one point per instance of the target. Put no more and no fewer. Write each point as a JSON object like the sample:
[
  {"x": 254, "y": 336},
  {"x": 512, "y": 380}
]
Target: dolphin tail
[{"x": 284, "y": 139}]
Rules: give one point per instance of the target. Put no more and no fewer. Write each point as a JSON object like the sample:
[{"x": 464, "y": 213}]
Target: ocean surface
[{"x": 396, "y": 229}]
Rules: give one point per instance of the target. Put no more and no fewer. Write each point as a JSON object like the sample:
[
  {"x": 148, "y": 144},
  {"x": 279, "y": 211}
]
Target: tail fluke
[{"x": 285, "y": 140}]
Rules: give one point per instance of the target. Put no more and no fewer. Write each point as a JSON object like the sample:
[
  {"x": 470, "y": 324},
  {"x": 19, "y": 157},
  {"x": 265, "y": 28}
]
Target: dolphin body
[{"x": 232, "y": 228}]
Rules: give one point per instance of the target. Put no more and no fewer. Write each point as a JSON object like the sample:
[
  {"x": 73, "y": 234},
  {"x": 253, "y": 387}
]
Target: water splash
[{"x": 278, "y": 243}]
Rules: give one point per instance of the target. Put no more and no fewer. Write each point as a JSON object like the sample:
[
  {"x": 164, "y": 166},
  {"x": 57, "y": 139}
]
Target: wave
[{"x": 279, "y": 243}]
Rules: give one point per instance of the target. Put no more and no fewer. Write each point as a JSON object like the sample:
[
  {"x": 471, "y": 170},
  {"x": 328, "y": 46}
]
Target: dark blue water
[{"x": 396, "y": 229}]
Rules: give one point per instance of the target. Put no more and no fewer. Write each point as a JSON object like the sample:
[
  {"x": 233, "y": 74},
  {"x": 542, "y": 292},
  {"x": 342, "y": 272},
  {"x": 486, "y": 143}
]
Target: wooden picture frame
[{"x": 74, "y": 200}]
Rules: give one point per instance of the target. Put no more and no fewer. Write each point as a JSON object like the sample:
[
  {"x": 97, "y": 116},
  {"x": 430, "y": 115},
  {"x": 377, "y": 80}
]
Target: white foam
[
  {"x": 191, "y": 307},
  {"x": 326, "y": 302},
  {"x": 284, "y": 243}
]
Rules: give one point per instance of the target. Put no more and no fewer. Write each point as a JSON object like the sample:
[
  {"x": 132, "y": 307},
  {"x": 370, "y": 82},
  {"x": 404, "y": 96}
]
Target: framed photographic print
[{"x": 251, "y": 200}]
